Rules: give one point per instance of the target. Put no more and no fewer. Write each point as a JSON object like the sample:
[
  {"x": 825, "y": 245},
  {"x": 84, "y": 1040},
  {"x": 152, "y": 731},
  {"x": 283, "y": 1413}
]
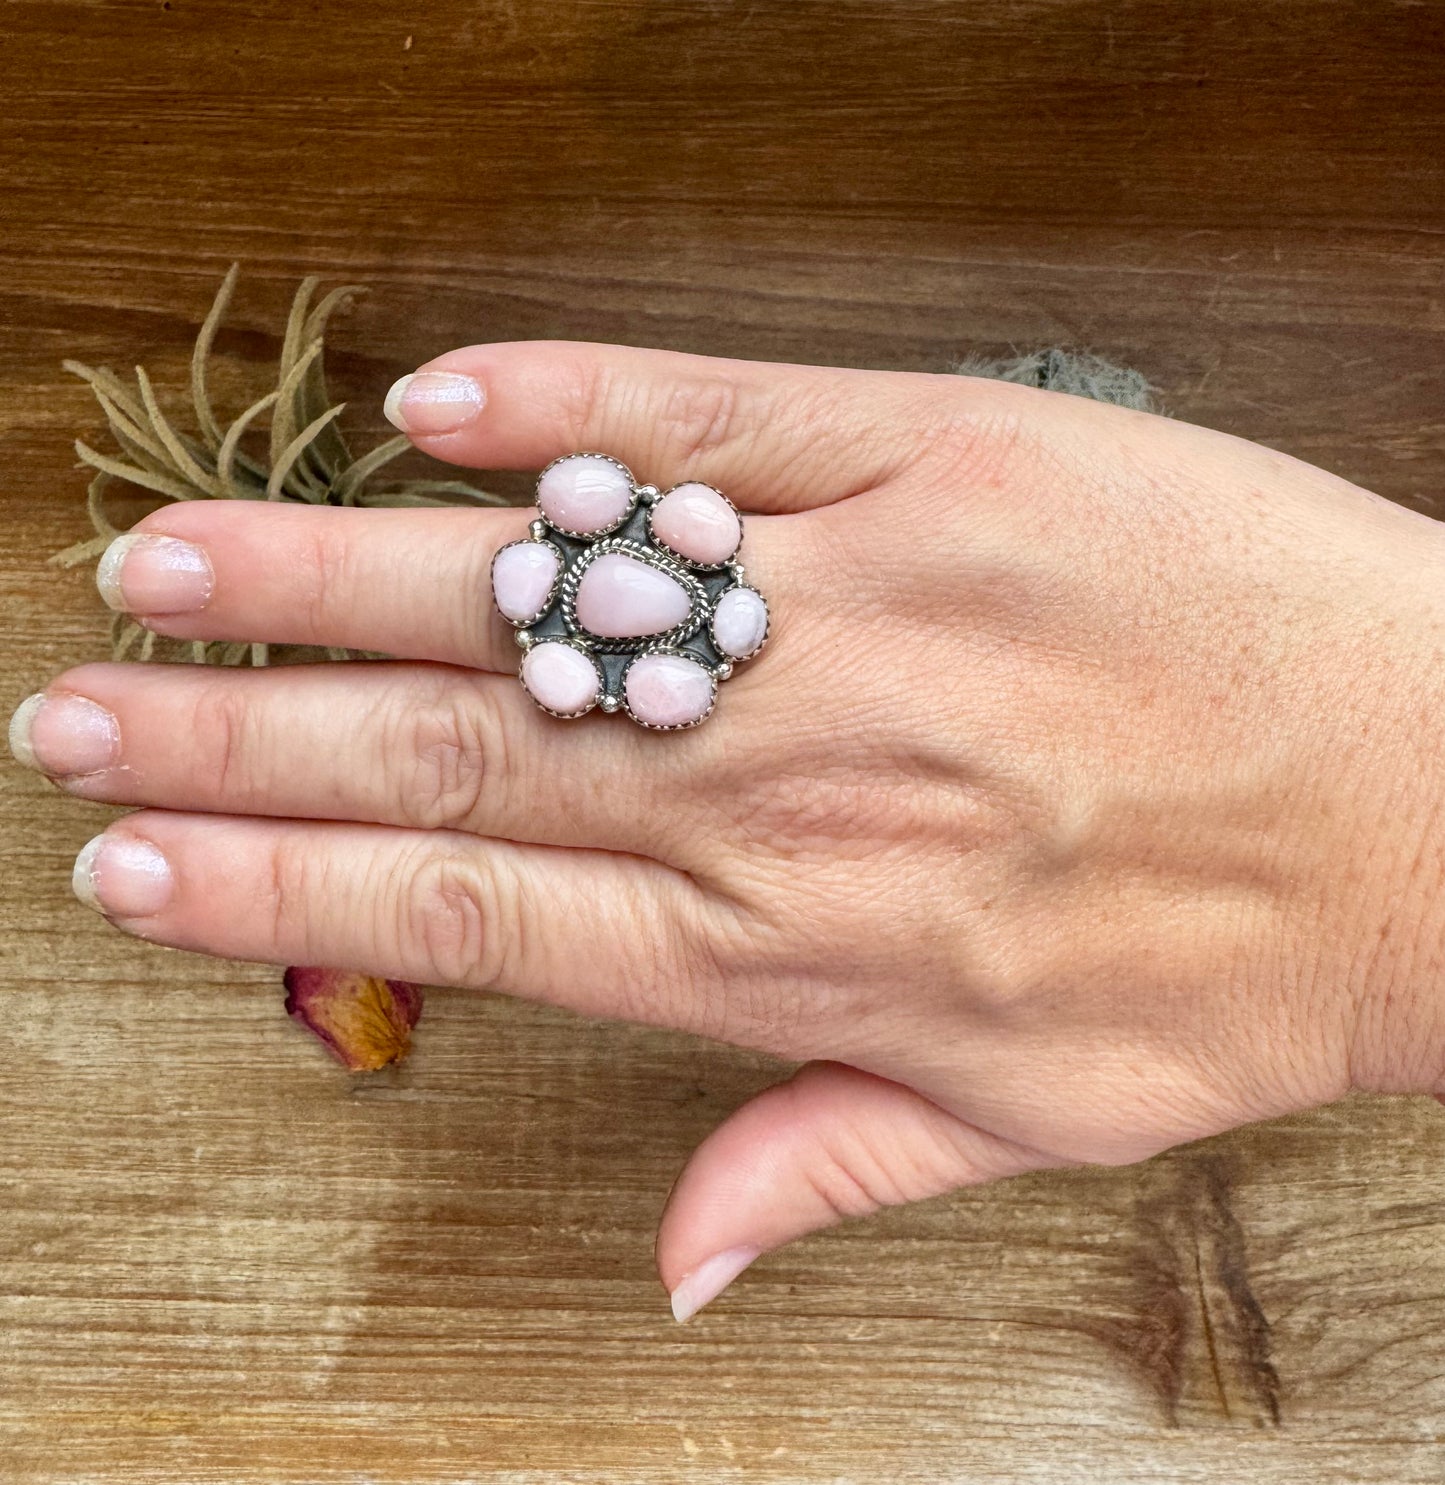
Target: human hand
[{"x": 1086, "y": 800}]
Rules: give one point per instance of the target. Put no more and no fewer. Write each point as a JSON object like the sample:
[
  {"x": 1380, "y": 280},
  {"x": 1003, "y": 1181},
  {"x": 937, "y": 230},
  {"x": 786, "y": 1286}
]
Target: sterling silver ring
[{"x": 626, "y": 597}]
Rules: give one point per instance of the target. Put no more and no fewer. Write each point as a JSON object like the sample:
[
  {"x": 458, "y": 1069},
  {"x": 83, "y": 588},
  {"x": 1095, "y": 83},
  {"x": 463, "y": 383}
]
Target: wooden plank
[{"x": 223, "y": 1260}]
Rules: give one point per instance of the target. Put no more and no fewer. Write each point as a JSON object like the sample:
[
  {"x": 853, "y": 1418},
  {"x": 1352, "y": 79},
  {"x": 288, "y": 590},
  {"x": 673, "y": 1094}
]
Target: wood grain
[{"x": 221, "y": 1259}]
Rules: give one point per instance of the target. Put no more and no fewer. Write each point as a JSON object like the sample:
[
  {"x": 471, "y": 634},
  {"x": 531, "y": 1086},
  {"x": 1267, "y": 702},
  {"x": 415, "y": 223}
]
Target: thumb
[{"x": 832, "y": 1142}]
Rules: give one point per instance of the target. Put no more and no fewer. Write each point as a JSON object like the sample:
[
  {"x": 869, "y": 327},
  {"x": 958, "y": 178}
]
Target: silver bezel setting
[
  {"x": 767, "y": 623},
  {"x": 697, "y": 608},
  {"x": 632, "y": 536},
  {"x": 658, "y": 542},
  {"x": 597, "y": 696},
  {"x": 551, "y": 598},
  {"x": 621, "y": 521},
  {"x": 681, "y": 655}
]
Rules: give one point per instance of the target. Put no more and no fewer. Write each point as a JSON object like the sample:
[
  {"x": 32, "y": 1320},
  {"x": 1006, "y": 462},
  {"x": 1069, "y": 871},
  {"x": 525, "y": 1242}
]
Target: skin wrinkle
[
  {"x": 981, "y": 442},
  {"x": 704, "y": 417},
  {"x": 222, "y": 716},
  {"x": 279, "y": 895},
  {"x": 455, "y": 758},
  {"x": 322, "y": 567},
  {"x": 462, "y": 918},
  {"x": 1389, "y": 956}
]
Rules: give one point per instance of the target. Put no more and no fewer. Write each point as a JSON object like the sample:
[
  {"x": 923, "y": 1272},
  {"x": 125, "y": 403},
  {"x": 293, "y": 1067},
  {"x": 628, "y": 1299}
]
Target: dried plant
[
  {"x": 364, "y": 1021},
  {"x": 306, "y": 457}
]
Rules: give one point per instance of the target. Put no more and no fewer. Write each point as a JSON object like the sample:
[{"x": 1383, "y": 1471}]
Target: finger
[
  {"x": 773, "y": 437},
  {"x": 410, "y": 583},
  {"x": 425, "y": 746},
  {"x": 831, "y": 1143},
  {"x": 433, "y": 907}
]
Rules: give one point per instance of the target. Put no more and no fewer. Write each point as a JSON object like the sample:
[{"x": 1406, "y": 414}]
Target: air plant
[{"x": 366, "y": 1022}]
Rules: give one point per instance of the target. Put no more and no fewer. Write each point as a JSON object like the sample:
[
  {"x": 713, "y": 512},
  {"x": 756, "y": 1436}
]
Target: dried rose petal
[{"x": 366, "y": 1022}]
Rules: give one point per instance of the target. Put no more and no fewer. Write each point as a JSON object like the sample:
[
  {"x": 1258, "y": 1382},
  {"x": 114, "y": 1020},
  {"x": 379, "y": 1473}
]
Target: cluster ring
[{"x": 627, "y": 598}]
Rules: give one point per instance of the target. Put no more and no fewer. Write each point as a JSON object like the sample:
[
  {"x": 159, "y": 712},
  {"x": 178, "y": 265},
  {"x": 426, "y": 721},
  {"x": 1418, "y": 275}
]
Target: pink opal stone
[
  {"x": 522, "y": 577},
  {"x": 584, "y": 493},
  {"x": 697, "y": 523},
  {"x": 740, "y": 623},
  {"x": 560, "y": 677},
  {"x": 622, "y": 598},
  {"x": 668, "y": 690}
]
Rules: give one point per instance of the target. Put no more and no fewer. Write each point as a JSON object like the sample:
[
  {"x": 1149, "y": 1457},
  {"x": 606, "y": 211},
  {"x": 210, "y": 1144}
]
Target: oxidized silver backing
[{"x": 693, "y": 639}]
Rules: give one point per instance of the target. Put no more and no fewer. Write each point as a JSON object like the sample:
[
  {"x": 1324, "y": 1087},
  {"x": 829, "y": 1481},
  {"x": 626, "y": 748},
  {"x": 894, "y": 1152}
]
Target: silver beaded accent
[
  {"x": 697, "y": 596},
  {"x": 631, "y": 535}
]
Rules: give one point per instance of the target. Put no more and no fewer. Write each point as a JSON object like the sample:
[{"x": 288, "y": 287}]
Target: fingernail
[
  {"x": 141, "y": 574},
  {"x": 122, "y": 877},
  {"x": 434, "y": 402},
  {"x": 63, "y": 736},
  {"x": 708, "y": 1280}
]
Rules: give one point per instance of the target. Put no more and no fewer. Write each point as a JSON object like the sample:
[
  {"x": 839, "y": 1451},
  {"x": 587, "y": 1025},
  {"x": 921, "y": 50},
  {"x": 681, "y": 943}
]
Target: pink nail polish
[
  {"x": 141, "y": 574},
  {"x": 708, "y": 1280},
  {"x": 434, "y": 402},
  {"x": 64, "y": 736},
  {"x": 122, "y": 876}
]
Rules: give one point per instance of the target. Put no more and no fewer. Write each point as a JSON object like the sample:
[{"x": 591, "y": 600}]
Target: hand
[{"x": 1086, "y": 800}]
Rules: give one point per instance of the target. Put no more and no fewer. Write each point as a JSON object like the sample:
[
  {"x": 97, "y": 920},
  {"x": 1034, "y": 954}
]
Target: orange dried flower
[{"x": 366, "y": 1022}]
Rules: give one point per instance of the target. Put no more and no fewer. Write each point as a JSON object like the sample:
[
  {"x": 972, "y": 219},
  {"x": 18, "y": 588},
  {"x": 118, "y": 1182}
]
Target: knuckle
[
  {"x": 842, "y": 1192},
  {"x": 587, "y": 404},
  {"x": 744, "y": 983},
  {"x": 700, "y": 415},
  {"x": 851, "y": 1174},
  {"x": 688, "y": 417},
  {"x": 975, "y": 439},
  {"x": 455, "y": 918},
  {"x": 457, "y": 760}
]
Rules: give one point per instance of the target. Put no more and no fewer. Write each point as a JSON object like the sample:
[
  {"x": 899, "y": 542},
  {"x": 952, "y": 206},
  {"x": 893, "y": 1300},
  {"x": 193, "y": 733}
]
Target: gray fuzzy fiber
[{"x": 1079, "y": 373}]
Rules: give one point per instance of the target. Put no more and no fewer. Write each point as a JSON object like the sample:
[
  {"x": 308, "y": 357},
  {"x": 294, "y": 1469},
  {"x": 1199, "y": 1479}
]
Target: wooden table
[{"x": 223, "y": 1259}]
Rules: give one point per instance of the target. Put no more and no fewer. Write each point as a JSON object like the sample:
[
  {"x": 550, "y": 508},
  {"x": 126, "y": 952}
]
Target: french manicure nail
[
  {"x": 141, "y": 574},
  {"x": 431, "y": 402},
  {"x": 63, "y": 736},
  {"x": 122, "y": 876},
  {"x": 708, "y": 1280}
]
